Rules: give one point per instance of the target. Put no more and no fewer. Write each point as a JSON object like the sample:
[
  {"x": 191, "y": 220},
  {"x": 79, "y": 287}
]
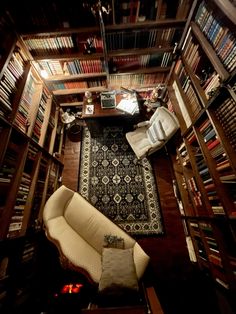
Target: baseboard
[{"x": 154, "y": 303}]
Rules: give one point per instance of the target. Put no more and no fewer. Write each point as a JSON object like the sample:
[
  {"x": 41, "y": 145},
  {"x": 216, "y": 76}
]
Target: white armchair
[{"x": 151, "y": 135}]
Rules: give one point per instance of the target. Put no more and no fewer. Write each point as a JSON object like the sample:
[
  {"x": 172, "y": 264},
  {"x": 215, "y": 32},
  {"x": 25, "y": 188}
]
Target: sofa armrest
[
  {"x": 142, "y": 124},
  {"x": 57, "y": 203},
  {"x": 141, "y": 260}
]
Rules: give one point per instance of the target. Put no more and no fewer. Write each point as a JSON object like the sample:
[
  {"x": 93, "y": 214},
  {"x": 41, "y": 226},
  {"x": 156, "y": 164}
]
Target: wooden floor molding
[
  {"x": 116, "y": 310},
  {"x": 154, "y": 303}
]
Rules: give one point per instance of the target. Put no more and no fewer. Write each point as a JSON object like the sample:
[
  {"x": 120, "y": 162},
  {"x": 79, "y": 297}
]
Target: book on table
[{"x": 129, "y": 104}]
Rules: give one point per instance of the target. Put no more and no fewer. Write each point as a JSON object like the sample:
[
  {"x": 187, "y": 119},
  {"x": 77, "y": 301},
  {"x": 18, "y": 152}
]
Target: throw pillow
[
  {"x": 118, "y": 272},
  {"x": 156, "y": 132},
  {"x": 113, "y": 241}
]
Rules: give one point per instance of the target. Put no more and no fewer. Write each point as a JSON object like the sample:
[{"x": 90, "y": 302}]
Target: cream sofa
[{"x": 77, "y": 229}]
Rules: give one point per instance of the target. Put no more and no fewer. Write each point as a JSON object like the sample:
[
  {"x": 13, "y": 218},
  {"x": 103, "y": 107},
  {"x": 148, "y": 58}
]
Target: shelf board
[
  {"x": 79, "y": 90},
  {"x": 144, "y": 71},
  {"x": 69, "y": 56},
  {"x": 71, "y": 104},
  {"x": 138, "y": 88},
  {"x": 55, "y": 78},
  {"x": 149, "y": 51},
  {"x": 61, "y": 31},
  {"x": 150, "y": 24},
  {"x": 228, "y": 8}
]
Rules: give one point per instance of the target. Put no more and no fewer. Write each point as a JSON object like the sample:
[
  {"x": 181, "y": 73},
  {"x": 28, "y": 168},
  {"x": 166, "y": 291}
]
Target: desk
[{"x": 101, "y": 117}]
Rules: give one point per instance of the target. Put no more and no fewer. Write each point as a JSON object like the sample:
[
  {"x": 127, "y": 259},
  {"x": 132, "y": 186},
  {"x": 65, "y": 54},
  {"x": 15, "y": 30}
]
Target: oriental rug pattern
[{"x": 117, "y": 184}]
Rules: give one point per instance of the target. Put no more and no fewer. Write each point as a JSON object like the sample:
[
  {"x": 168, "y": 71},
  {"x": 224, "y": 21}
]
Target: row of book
[
  {"x": 73, "y": 67},
  {"x": 31, "y": 158},
  {"x": 19, "y": 207},
  {"x": 137, "y": 80},
  {"x": 196, "y": 195},
  {"x": 78, "y": 84},
  {"x": 222, "y": 163},
  {"x": 8, "y": 167},
  {"x": 138, "y": 39},
  {"x": 192, "y": 185},
  {"x": 215, "y": 256},
  {"x": 135, "y": 11},
  {"x": 39, "y": 190},
  {"x": 53, "y": 172},
  {"x": 10, "y": 80},
  {"x": 182, "y": 151},
  {"x": 226, "y": 113},
  {"x": 221, "y": 37},
  {"x": 200, "y": 65},
  {"x": 22, "y": 120},
  {"x": 130, "y": 63},
  {"x": 201, "y": 251},
  {"x": 51, "y": 45},
  {"x": 206, "y": 177},
  {"x": 208, "y": 251},
  {"x": 65, "y": 14},
  {"x": 29, "y": 251},
  {"x": 36, "y": 133},
  {"x": 212, "y": 247},
  {"x": 47, "y": 15},
  {"x": 193, "y": 104},
  {"x": 22, "y": 194},
  {"x": 184, "y": 112}
]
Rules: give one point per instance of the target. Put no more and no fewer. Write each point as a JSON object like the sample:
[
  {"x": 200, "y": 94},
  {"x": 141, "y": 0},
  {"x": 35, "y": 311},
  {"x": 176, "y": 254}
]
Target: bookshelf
[
  {"x": 64, "y": 41},
  {"x": 135, "y": 50},
  {"x": 28, "y": 126},
  {"x": 202, "y": 94}
]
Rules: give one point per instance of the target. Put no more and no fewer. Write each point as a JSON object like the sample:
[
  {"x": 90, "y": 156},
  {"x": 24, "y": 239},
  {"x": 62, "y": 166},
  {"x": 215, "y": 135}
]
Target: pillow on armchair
[{"x": 156, "y": 132}]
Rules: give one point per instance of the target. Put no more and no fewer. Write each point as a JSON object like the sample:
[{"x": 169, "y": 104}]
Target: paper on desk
[{"x": 128, "y": 105}]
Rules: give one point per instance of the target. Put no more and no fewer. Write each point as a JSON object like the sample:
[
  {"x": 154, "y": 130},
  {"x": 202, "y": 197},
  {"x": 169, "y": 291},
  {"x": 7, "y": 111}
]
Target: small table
[{"x": 100, "y": 117}]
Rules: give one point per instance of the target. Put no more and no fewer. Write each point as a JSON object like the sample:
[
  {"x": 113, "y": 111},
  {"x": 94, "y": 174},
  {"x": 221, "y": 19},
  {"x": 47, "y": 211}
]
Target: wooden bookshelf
[
  {"x": 27, "y": 122},
  {"x": 139, "y": 52},
  {"x": 203, "y": 82},
  {"x": 62, "y": 53}
]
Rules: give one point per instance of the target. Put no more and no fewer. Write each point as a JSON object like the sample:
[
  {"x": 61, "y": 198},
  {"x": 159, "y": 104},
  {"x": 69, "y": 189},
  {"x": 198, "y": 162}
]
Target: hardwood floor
[{"x": 180, "y": 286}]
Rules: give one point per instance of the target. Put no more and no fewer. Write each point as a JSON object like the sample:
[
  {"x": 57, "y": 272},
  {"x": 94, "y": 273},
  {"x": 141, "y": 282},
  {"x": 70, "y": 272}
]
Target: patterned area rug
[{"x": 115, "y": 183}]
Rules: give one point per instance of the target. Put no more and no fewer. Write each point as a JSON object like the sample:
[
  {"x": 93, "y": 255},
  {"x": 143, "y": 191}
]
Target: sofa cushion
[
  {"x": 118, "y": 272},
  {"x": 91, "y": 224}
]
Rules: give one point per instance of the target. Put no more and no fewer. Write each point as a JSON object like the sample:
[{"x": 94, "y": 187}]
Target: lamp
[
  {"x": 98, "y": 8},
  {"x": 42, "y": 71}
]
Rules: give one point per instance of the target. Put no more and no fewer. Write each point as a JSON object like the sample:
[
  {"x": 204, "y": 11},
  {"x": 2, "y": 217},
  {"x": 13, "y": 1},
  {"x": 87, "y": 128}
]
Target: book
[
  {"x": 128, "y": 105},
  {"x": 213, "y": 144}
]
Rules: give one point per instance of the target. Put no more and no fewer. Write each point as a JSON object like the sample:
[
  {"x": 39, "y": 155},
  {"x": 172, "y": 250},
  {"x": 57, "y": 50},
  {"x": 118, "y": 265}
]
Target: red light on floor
[{"x": 71, "y": 288}]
